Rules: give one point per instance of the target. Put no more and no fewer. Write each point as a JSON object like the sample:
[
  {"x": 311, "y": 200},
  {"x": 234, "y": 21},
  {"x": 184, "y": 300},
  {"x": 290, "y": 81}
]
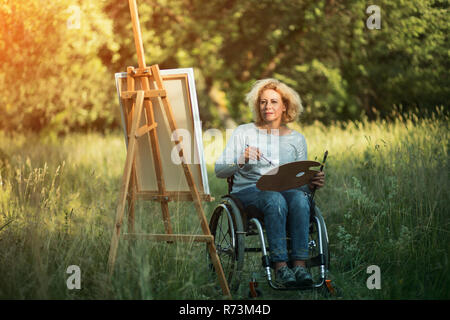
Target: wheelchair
[{"x": 233, "y": 226}]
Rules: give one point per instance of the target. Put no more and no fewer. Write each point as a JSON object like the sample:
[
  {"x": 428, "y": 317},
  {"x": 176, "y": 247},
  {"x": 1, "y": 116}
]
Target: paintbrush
[{"x": 263, "y": 157}]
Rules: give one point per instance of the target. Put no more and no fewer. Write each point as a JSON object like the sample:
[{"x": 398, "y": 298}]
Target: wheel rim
[
  {"x": 314, "y": 248},
  {"x": 224, "y": 239}
]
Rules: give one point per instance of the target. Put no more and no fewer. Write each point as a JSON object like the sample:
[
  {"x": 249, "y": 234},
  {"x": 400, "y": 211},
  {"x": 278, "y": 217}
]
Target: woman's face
[{"x": 271, "y": 107}]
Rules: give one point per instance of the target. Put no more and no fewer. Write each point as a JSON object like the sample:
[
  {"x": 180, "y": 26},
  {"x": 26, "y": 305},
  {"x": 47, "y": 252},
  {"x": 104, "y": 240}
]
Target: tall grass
[{"x": 385, "y": 203}]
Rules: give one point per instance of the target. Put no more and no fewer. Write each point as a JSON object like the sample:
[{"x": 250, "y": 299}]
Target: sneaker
[
  {"x": 285, "y": 277},
  {"x": 302, "y": 276}
]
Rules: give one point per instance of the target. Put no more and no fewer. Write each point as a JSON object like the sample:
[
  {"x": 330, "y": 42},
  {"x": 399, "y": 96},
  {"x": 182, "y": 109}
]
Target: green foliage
[
  {"x": 323, "y": 49},
  {"x": 51, "y": 75},
  {"x": 59, "y": 79}
]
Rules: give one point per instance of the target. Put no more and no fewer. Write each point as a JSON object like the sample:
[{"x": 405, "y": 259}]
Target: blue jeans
[{"x": 290, "y": 206}]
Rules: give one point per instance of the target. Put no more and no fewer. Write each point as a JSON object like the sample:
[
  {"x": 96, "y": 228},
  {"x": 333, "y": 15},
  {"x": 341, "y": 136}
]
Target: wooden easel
[{"x": 152, "y": 88}]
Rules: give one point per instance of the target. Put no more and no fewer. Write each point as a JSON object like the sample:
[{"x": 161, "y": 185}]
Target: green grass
[{"x": 385, "y": 204}]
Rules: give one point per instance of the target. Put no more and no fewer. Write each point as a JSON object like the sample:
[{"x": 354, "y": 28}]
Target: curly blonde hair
[{"x": 290, "y": 98}]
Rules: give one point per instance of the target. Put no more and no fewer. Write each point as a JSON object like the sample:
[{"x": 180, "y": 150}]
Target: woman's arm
[
  {"x": 230, "y": 161},
  {"x": 318, "y": 181}
]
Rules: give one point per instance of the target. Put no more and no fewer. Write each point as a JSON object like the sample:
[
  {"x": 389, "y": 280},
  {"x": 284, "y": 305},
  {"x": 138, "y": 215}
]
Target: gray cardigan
[{"x": 277, "y": 150}]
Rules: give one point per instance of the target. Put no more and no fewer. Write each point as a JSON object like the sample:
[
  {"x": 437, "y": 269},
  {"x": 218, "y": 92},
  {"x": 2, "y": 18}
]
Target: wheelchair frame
[{"x": 238, "y": 224}]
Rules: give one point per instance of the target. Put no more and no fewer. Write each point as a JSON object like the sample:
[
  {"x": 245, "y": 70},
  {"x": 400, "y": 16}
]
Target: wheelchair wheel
[
  {"x": 227, "y": 228},
  {"x": 318, "y": 248}
]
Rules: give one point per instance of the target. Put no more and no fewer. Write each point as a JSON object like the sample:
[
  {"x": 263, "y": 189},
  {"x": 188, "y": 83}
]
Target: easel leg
[
  {"x": 120, "y": 208},
  {"x": 219, "y": 270},
  {"x": 153, "y": 141},
  {"x": 195, "y": 195},
  {"x": 125, "y": 182},
  {"x": 131, "y": 201},
  {"x": 166, "y": 217}
]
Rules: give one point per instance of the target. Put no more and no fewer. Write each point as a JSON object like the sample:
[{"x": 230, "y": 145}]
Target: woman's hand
[
  {"x": 250, "y": 153},
  {"x": 318, "y": 181}
]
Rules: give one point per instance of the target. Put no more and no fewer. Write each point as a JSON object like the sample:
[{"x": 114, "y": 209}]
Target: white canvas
[{"x": 180, "y": 87}]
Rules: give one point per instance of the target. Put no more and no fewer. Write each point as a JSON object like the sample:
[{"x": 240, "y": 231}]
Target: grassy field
[{"x": 384, "y": 203}]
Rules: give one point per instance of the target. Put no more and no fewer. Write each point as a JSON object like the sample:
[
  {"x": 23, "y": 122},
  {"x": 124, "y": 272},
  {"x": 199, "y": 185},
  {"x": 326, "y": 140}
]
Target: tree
[
  {"x": 322, "y": 48},
  {"x": 341, "y": 68},
  {"x": 50, "y": 72}
]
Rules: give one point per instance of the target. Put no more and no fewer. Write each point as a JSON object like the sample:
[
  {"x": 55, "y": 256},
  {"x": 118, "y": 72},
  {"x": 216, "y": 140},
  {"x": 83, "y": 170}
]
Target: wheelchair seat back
[{"x": 247, "y": 213}]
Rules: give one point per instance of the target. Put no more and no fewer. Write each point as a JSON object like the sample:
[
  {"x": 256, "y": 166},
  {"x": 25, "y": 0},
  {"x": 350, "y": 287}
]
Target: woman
[{"x": 256, "y": 148}]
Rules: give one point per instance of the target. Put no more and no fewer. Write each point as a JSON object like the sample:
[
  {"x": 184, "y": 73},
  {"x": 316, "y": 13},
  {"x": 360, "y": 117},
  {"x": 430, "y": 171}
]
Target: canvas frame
[{"x": 188, "y": 119}]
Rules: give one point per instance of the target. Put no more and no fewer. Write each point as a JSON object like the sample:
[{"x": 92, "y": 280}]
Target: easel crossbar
[
  {"x": 147, "y": 94},
  {"x": 170, "y": 237},
  {"x": 146, "y": 128},
  {"x": 170, "y": 196}
]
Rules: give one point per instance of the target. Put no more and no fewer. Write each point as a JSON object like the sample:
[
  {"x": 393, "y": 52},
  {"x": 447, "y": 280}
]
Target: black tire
[{"x": 229, "y": 239}]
